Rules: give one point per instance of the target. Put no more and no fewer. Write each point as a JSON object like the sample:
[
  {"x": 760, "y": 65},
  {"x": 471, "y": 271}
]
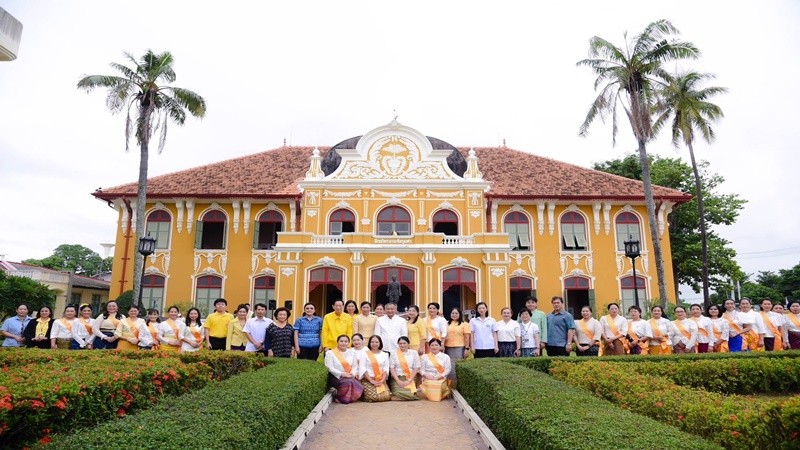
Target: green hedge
[
  {"x": 259, "y": 409},
  {"x": 729, "y": 420},
  {"x": 528, "y": 409}
]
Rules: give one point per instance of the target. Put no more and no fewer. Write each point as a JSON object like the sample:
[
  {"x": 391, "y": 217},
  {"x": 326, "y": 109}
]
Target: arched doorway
[
  {"x": 577, "y": 295},
  {"x": 379, "y": 283},
  {"x": 325, "y": 285},
  {"x": 459, "y": 289},
  {"x": 521, "y": 288}
]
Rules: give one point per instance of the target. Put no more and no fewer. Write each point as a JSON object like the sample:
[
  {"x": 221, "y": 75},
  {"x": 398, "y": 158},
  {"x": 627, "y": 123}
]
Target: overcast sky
[{"x": 315, "y": 73}]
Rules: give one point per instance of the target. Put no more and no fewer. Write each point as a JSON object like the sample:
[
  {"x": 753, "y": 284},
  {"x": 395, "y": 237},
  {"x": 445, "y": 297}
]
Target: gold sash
[
  {"x": 700, "y": 329},
  {"x": 734, "y": 326},
  {"x": 197, "y": 335},
  {"x": 431, "y": 331},
  {"x": 171, "y": 324},
  {"x": 586, "y": 331},
  {"x": 683, "y": 330},
  {"x": 436, "y": 363},
  {"x": 401, "y": 356},
  {"x": 376, "y": 369},
  {"x": 113, "y": 320},
  {"x": 339, "y": 356},
  {"x": 66, "y": 324},
  {"x": 793, "y": 317},
  {"x": 134, "y": 329},
  {"x": 86, "y": 325},
  {"x": 658, "y": 335},
  {"x": 778, "y": 338}
]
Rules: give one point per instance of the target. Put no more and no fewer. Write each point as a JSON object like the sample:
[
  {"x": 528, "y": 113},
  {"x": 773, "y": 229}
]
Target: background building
[{"x": 457, "y": 226}]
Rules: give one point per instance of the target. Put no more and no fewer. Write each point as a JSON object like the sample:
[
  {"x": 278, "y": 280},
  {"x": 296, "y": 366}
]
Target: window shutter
[
  {"x": 224, "y": 234},
  {"x": 256, "y": 230},
  {"x": 198, "y": 235},
  {"x": 592, "y": 302}
]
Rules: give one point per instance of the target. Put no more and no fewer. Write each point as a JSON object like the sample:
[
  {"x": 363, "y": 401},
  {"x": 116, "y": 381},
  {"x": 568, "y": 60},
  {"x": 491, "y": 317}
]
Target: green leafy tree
[
  {"x": 74, "y": 257},
  {"x": 627, "y": 76},
  {"x": 685, "y": 102},
  {"x": 720, "y": 209},
  {"x": 143, "y": 90},
  {"x": 16, "y": 290}
]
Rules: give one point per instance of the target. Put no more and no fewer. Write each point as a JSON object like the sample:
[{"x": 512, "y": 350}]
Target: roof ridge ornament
[
  {"x": 315, "y": 170},
  {"x": 472, "y": 173}
]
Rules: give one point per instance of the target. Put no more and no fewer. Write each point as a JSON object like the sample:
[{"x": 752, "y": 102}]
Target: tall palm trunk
[
  {"x": 141, "y": 197},
  {"x": 702, "y": 211}
]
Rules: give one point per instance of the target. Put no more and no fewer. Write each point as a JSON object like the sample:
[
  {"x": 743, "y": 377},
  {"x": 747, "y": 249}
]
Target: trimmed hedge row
[
  {"x": 730, "y": 421},
  {"x": 528, "y": 409},
  {"x": 258, "y": 409}
]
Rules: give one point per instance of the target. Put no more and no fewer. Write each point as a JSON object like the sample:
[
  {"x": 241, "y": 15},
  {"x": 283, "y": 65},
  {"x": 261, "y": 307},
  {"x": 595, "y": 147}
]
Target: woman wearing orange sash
[
  {"x": 193, "y": 333},
  {"x": 588, "y": 332},
  {"x": 360, "y": 350},
  {"x": 663, "y": 331},
  {"x": 773, "y": 327},
  {"x": 343, "y": 370},
  {"x": 685, "y": 339},
  {"x": 705, "y": 329},
  {"x": 435, "y": 368},
  {"x": 720, "y": 327},
  {"x": 639, "y": 332},
  {"x": 128, "y": 330},
  {"x": 404, "y": 369},
  {"x": 85, "y": 318},
  {"x": 364, "y": 323},
  {"x": 151, "y": 327},
  {"x": 754, "y": 339},
  {"x": 171, "y": 331},
  {"x": 104, "y": 327},
  {"x": 374, "y": 371},
  {"x": 615, "y": 327},
  {"x": 793, "y": 326},
  {"x": 67, "y": 332},
  {"x": 435, "y": 324},
  {"x": 738, "y": 326},
  {"x": 236, "y": 339},
  {"x": 417, "y": 333}
]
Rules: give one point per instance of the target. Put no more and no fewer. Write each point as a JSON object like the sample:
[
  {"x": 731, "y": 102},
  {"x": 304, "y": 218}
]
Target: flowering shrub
[
  {"x": 529, "y": 409},
  {"x": 730, "y": 421},
  {"x": 259, "y": 409}
]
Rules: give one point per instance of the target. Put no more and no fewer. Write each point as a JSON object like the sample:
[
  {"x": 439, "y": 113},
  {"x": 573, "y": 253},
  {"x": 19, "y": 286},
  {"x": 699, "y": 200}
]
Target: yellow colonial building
[{"x": 455, "y": 226}]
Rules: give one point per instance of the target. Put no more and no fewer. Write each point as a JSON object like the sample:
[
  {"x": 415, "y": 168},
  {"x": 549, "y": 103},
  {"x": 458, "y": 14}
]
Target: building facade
[{"x": 455, "y": 226}]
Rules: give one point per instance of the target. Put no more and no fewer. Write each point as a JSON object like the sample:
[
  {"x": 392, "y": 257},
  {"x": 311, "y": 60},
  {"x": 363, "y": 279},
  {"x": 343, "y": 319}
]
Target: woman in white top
[
  {"x": 754, "y": 340},
  {"x": 588, "y": 333},
  {"x": 404, "y": 368},
  {"x": 507, "y": 335},
  {"x": 104, "y": 327},
  {"x": 720, "y": 327},
  {"x": 705, "y": 329},
  {"x": 68, "y": 332},
  {"x": 529, "y": 334},
  {"x": 171, "y": 331},
  {"x": 773, "y": 327},
  {"x": 739, "y": 325},
  {"x": 193, "y": 333},
  {"x": 482, "y": 328},
  {"x": 435, "y": 323},
  {"x": 374, "y": 371},
  {"x": 685, "y": 337},
  {"x": 342, "y": 366},
  {"x": 435, "y": 368},
  {"x": 360, "y": 350},
  {"x": 615, "y": 327},
  {"x": 793, "y": 326},
  {"x": 85, "y": 318},
  {"x": 639, "y": 332},
  {"x": 663, "y": 331}
]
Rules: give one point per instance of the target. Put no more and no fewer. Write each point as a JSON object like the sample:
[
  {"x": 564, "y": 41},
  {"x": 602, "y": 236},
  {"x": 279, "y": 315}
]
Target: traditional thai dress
[
  {"x": 793, "y": 326},
  {"x": 169, "y": 331},
  {"x": 639, "y": 330},
  {"x": 364, "y": 325},
  {"x": 152, "y": 330},
  {"x": 193, "y": 332},
  {"x": 348, "y": 390},
  {"x": 751, "y": 338},
  {"x": 686, "y": 335},
  {"x": 88, "y": 325},
  {"x": 417, "y": 334},
  {"x": 705, "y": 334},
  {"x": 663, "y": 331},
  {"x": 128, "y": 329},
  {"x": 736, "y": 322},
  {"x": 721, "y": 329},
  {"x": 404, "y": 364},
  {"x": 435, "y": 370},
  {"x": 773, "y": 338},
  {"x": 69, "y": 334},
  {"x": 376, "y": 366},
  {"x": 589, "y": 333},
  {"x": 611, "y": 328},
  {"x": 104, "y": 327}
]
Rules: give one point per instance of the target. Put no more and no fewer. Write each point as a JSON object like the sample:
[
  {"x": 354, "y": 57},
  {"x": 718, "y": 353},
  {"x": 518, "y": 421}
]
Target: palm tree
[
  {"x": 628, "y": 77},
  {"x": 143, "y": 90},
  {"x": 683, "y": 99}
]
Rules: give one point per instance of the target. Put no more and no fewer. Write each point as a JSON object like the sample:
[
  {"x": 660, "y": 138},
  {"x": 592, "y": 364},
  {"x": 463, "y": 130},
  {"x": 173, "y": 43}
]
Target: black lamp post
[
  {"x": 632, "y": 251},
  {"x": 147, "y": 245}
]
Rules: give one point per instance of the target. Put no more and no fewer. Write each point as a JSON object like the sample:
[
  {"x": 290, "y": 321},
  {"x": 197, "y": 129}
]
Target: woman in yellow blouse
[
  {"x": 37, "y": 332},
  {"x": 364, "y": 323},
  {"x": 417, "y": 332},
  {"x": 236, "y": 337},
  {"x": 128, "y": 330}
]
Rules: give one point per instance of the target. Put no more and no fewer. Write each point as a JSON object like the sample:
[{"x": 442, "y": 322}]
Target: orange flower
[
  {"x": 660, "y": 404},
  {"x": 735, "y": 434},
  {"x": 733, "y": 417},
  {"x": 121, "y": 412},
  {"x": 37, "y": 404},
  {"x": 60, "y": 404},
  {"x": 45, "y": 440}
]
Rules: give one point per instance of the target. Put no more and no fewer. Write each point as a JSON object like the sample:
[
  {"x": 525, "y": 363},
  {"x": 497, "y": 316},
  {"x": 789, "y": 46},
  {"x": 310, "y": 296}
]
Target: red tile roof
[{"x": 275, "y": 173}]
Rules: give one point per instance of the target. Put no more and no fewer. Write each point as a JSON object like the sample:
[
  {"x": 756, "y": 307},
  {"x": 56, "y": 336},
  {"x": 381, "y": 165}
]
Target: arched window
[
  {"x": 211, "y": 231},
  {"x": 207, "y": 289},
  {"x": 394, "y": 220},
  {"x": 445, "y": 221},
  {"x": 342, "y": 221},
  {"x": 158, "y": 226},
  {"x": 573, "y": 232},
  {"x": 517, "y": 226},
  {"x": 458, "y": 276},
  {"x": 627, "y": 227},
  {"x": 269, "y": 224},
  {"x": 264, "y": 290},
  {"x": 153, "y": 292},
  {"x": 521, "y": 288},
  {"x": 629, "y": 291}
]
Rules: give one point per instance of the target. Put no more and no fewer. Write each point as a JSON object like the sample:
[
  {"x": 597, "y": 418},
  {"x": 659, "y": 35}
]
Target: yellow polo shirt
[
  {"x": 217, "y": 324},
  {"x": 334, "y": 326}
]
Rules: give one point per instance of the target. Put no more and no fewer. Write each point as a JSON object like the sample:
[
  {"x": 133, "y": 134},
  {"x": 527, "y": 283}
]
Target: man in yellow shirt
[
  {"x": 334, "y": 325},
  {"x": 216, "y": 325}
]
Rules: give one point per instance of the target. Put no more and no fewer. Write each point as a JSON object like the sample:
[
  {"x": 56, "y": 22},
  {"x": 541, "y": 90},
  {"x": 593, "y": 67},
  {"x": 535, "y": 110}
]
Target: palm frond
[
  {"x": 118, "y": 96},
  {"x": 190, "y": 100},
  {"x": 163, "y": 138},
  {"x": 89, "y": 82}
]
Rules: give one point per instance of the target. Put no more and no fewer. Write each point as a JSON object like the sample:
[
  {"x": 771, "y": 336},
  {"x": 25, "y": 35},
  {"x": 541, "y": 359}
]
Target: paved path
[{"x": 414, "y": 425}]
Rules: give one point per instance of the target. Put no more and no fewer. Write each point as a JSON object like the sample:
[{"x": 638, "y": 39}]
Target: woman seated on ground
[
  {"x": 171, "y": 331},
  {"x": 615, "y": 327},
  {"x": 705, "y": 329},
  {"x": 663, "y": 332},
  {"x": 130, "y": 329},
  {"x": 85, "y": 318},
  {"x": 639, "y": 332},
  {"x": 435, "y": 368},
  {"x": 236, "y": 338},
  {"x": 104, "y": 327},
  {"x": 37, "y": 332},
  {"x": 343, "y": 370},
  {"x": 360, "y": 350},
  {"x": 193, "y": 333},
  {"x": 404, "y": 368},
  {"x": 67, "y": 332},
  {"x": 374, "y": 371},
  {"x": 719, "y": 325},
  {"x": 685, "y": 339}
]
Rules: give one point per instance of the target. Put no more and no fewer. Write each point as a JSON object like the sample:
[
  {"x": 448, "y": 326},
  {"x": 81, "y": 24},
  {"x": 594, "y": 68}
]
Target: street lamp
[
  {"x": 632, "y": 251},
  {"x": 147, "y": 245}
]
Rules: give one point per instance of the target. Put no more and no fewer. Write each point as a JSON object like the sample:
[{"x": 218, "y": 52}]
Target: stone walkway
[{"x": 415, "y": 425}]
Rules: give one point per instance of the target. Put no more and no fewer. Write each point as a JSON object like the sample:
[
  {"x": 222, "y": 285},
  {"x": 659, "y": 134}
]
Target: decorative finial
[
  {"x": 284, "y": 142},
  {"x": 315, "y": 169},
  {"x": 394, "y": 122},
  {"x": 473, "y": 173},
  {"x": 504, "y": 142}
]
